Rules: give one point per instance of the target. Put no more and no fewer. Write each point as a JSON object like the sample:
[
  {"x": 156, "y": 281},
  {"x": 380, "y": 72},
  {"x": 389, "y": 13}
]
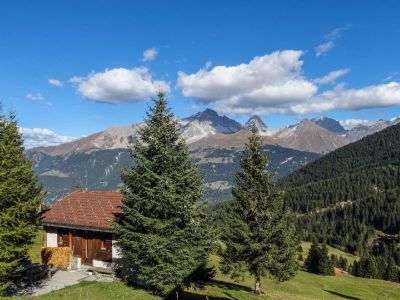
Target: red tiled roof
[{"x": 84, "y": 209}]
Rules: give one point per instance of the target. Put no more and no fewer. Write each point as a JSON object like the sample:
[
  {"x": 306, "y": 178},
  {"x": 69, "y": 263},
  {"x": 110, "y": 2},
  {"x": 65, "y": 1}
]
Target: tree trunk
[
  {"x": 257, "y": 286},
  {"x": 177, "y": 294}
]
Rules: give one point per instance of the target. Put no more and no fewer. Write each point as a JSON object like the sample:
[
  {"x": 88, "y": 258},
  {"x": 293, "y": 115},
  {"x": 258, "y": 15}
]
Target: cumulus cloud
[
  {"x": 329, "y": 40},
  {"x": 55, "y": 82},
  {"x": 150, "y": 54},
  {"x": 350, "y": 123},
  {"x": 35, "y": 96},
  {"x": 331, "y": 76},
  {"x": 76, "y": 80},
  {"x": 274, "y": 83},
  {"x": 266, "y": 79},
  {"x": 42, "y": 137},
  {"x": 119, "y": 85}
]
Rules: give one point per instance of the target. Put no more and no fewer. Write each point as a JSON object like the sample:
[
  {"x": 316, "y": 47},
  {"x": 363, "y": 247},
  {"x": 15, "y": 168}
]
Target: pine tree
[
  {"x": 368, "y": 268},
  {"x": 343, "y": 263},
  {"x": 391, "y": 270},
  {"x": 313, "y": 261},
  {"x": 327, "y": 264},
  {"x": 259, "y": 237},
  {"x": 318, "y": 261},
  {"x": 20, "y": 198},
  {"x": 163, "y": 233},
  {"x": 355, "y": 269}
]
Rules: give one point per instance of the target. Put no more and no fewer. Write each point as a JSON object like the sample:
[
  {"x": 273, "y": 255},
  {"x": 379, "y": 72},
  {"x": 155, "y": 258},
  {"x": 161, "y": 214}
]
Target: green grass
[
  {"x": 90, "y": 290},
  {"x": 303, "y": 286},
  {"x": 350, "y": 257},
  {"x": 34, "y": 252}
]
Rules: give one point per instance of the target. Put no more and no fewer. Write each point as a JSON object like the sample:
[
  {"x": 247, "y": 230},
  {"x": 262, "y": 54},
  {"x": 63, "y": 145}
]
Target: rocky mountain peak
[
  {"x": 260, "y": 125},
  {"x": 309, "y": 136},
  {"x": 330, "y": 124}
]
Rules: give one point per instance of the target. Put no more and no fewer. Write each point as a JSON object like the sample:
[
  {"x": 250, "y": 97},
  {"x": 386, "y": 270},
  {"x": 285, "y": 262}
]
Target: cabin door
[
  {"x": 77, "y": 245},
  {"x": 87, "y": 250}
]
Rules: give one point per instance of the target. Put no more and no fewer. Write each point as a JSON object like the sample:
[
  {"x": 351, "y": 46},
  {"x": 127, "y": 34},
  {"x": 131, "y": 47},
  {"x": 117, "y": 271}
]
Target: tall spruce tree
[
  {"x": 20, "y": 198},
  {"x": 164, "y": 236},
  {"x": 318, "y": 260},
  {"x": 259, "y": 236}
]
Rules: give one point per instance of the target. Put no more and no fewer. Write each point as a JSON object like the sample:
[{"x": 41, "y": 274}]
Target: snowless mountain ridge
[{"x": 320, "y": 135}]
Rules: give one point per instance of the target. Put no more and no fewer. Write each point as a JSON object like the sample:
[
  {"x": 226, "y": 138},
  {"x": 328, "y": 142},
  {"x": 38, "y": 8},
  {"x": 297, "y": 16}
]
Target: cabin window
[
  {"x": 105, "y": 245},
  {"x": 62, "y": 240}
]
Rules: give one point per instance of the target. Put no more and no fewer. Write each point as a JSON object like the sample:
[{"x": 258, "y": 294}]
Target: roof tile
[{"x": 85, "y": 208}]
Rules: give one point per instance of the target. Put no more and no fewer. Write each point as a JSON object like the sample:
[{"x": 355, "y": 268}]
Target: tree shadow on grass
[
  {"x": 226, "y": 287},
  {"x": 342, "y": 295},
  {"x": 189, "y": 295},
  {"x": 230, "y": 285}
]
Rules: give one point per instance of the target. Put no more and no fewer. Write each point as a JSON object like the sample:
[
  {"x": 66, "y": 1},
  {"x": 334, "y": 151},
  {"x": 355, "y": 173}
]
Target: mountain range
[{"x": 94, "y": 162}]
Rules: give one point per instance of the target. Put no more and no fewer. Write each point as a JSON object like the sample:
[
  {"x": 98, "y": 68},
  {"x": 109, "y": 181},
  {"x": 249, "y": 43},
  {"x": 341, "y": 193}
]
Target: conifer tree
[
  {"x": 368, "y": 268},
  {"x": 313, "y": 260},
  {"x": 355, "y": 269},
  {"x": 20, "y": 198},
  {"x": 343, "y": 263},
  {"x": 391, "y": 271},
  {"x": 318, "y": 261},
  {"x": 259, "y": 236},
  {"x": 164, "y": 236}
]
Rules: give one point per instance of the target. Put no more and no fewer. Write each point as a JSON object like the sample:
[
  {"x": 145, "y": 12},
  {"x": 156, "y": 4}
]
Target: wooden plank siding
[{"x": 89, "y": 245}]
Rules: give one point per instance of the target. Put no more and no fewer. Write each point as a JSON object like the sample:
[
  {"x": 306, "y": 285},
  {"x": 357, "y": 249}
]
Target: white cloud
[
  {"x": 331, "y": 76},
  {"x": 391, "y": 76},
  {"x": 150, "y": 54},
  {"x": 350, "y": 123},
  {"x": 42, "y": 137},
  {"x": 274, "y": 83},
  {"x": 330, "y": 39},
  {"x": 55, "y": 82},
  {"x": 76, "y": 80},
  {"x": 323, "y": 48},
  {"x": 271, "y": 78},
  {"x": 35, "y": 96},
  {"x": 119, "y": 85}
]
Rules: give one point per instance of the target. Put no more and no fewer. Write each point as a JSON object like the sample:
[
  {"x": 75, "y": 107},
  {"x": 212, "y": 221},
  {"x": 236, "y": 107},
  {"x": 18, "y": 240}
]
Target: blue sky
[{"x": 284, "y": 60}]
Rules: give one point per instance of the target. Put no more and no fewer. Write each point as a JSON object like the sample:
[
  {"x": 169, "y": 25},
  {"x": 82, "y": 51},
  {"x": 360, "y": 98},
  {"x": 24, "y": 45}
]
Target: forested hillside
[
  {"x": 100, "y": 170},
  {"x": 382, "y": 148},
  {"x": 351, "y": 197}
]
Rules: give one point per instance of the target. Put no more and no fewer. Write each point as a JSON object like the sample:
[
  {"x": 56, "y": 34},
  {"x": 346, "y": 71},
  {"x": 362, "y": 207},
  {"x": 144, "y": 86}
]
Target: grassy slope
[
  {"x": 303, "y": 286},
  {"x": 34, "y": 252},
  {"x": 350, "y": 257}
]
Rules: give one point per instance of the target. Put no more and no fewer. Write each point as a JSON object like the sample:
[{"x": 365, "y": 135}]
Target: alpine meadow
[{"x": 187, "y": 150}]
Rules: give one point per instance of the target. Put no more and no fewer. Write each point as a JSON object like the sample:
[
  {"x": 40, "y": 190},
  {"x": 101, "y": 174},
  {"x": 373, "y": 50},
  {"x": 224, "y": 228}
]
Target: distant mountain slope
[
  {"x": 380, "y": 148},
  {"x": 194, "y": 128},
  {"x": 112, "y": 138},
  {"x": 307, "y": 136},
  {"x": 207, "y": 123},
  {"x": 216, "y": 142},
  {"x": 351, "y": 193},
  {"x": 360, "y": 131},
  {"x": 330, "y": 124},
  {"x": 100, "y": 170},
  {"x": 227, "y": 141}
]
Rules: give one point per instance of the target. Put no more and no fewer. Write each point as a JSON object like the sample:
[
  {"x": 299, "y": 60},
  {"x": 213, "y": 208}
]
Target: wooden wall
[{"x": 88, "y": 245}]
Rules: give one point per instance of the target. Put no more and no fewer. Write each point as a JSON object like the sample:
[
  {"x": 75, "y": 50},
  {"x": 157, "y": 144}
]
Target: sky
[{"x": 72, "y": 68}]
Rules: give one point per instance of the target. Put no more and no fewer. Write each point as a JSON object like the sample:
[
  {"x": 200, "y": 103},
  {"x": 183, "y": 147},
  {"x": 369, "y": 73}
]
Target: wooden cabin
[{"x": 82, "y": 221}]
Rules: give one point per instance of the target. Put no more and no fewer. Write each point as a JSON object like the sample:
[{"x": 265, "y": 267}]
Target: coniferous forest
[{"x": 351, "y": 199}]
